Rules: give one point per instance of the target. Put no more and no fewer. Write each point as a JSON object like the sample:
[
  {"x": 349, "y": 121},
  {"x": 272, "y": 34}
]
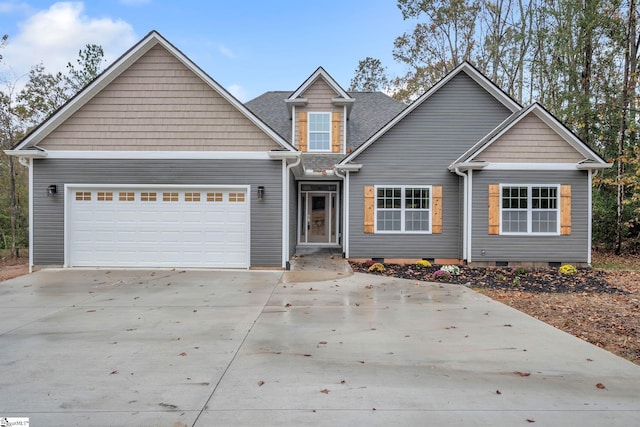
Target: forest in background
[{"x": 578, "y": 58}]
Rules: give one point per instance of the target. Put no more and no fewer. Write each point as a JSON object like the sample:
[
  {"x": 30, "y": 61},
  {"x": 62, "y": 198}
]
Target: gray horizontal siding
[
  {"x": 266, "y": 215},
  {"x": 571, "y": 248},
  {"x": 417, "y": 151}
]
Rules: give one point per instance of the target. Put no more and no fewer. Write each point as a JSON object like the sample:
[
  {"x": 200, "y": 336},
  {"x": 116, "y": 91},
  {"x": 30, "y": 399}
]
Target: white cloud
[
  {"x": 54, "y": 37},
  {"x": 226, "y": 51},
  {"x": 238, "y": 91}
]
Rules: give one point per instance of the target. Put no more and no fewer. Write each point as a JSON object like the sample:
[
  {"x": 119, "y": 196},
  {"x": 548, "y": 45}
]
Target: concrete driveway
[{"x": 204, "y": 348}]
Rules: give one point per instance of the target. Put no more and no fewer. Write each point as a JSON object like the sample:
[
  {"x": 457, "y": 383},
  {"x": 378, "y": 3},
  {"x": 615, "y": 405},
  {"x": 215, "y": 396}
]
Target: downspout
[
  {"x": 465, "y": 226},
  {"x": 592, "y": 174},
  {"x": 285, "y": 211},
  {"x": 345, "y": 209}
]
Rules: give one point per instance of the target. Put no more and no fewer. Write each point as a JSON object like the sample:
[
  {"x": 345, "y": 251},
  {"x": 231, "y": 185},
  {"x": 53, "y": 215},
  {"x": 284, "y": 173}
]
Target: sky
[{"x": 248, "y": 46}]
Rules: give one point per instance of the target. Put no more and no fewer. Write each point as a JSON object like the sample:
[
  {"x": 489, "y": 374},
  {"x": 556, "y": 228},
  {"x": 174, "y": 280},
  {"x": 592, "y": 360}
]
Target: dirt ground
[
  {"x": 599, "y": 305},
  {"x": 13, "y": 267}
]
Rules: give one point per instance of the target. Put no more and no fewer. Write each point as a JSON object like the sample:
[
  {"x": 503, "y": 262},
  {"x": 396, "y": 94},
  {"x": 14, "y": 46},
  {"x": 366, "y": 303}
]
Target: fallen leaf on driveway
[
  {"x": 182, "y": 354},
  {"x": 114, "y": 372},
  {"x": 529, "y": 420},
  {"x": 522, "y": 374},
  {"x": 325, "y": 391},
  {"x": 260, "y": 383},
  {"x": 600, "y": 386},
  {"x": 498, "y": 392},
  {"x": 91, "y": 311},
  {"x": 322, "y": 342}
]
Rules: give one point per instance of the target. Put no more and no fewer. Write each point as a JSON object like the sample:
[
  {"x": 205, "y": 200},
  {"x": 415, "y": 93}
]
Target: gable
[
  {"x": 158, "y": 104},
  {"x": 530, "y": 141},
  {"x": 319, "y": 96},
  {"x": 439, "y": 129}
]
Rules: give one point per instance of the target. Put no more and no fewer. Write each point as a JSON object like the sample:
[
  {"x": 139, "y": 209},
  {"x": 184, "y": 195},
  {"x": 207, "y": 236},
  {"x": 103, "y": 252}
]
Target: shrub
[
  {"x": 377, "y": 268},
  {"x": 521, "y": 271},
  {"x": 441, "y": 276},
  {"x": 567, "y": 269},
  {"x": 453, "y": 270},
  {"x": 369, "y": 262},
  {"x": 423, "y": 263}
]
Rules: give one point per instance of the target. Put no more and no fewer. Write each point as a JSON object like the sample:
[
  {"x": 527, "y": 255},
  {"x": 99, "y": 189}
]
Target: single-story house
[{"x": 154, "y": 164}]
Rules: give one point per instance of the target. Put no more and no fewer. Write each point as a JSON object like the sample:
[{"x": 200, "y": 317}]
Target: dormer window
[{"x": 319, "y": 131}]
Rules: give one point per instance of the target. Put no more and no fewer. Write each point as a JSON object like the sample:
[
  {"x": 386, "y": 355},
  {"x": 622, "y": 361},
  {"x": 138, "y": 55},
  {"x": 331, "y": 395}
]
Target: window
[
  {"x": 147, "y": 196},
  {"x": 403, "y": 209},
  {"x": 236, "y": 197},
  {"x": 83, "y": 195},
  {"x": 191, "y": 197},
  {"x": 319, "y": 131},
  {"x": 105, "y": 196},
  {"x": 214, "y": 197},
  {"x": 126, "y": 196},
  {"x": 169, "y": 197},
  {"x": 529, "y": 209}
]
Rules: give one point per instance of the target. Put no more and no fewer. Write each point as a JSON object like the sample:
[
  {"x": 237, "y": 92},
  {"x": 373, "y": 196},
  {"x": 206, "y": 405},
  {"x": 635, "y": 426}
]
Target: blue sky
[{"x": 249, "y": 46}]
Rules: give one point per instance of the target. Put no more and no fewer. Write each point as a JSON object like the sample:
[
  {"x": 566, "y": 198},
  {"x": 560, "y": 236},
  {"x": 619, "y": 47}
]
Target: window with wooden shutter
[
  {"x": 529, "y": 209},
  {"x": 302, "y": 131},
  {"x": 494, "y": 208},
  {"x": 436, "y": 207},
  {"x": 369, "y": 209},
  {"x": 565, "y": 210}
]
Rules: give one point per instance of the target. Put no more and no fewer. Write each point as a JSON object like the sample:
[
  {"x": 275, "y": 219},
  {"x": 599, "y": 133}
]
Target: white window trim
[
  {"x": 309, "y": 132},
  {"x": 402, "y": 210},
  {"x": 530, "y": 210}
]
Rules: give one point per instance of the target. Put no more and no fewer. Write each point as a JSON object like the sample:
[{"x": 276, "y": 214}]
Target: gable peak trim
[{"x": 320, "y": 73}]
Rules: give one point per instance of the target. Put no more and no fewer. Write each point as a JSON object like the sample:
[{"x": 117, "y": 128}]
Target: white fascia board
[
  {"x": 351, "y": 167},
  {"x": 471, "y": 72},
  {"x": 532, "y": 166},
  {"x": 171, "y": 155},
  {"x": 29, "y": 154},
  {"x": 279, "y": 155},
  {"x": 594, "y": 166}
]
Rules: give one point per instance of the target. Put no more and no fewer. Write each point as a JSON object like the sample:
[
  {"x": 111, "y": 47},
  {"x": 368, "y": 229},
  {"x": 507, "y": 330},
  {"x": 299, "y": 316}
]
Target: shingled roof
[{"x": 371, "y": 111}]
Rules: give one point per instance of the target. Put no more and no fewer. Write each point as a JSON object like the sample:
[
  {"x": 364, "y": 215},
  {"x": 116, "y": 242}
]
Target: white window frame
[
  {"x": 403, "y": 209},
  {"x": 529, "y": 210},
  {"x": 310, "y": 132}
]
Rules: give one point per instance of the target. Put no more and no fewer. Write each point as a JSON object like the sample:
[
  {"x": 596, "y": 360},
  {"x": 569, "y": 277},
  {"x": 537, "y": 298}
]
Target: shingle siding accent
[
  {"x": 562, "y": 248},
  {"x": 532, "y": 141},
  {"x": 266, "y": 215},
  {"x": 417, "y": 151},
  {"x": 158, "y": 104}
]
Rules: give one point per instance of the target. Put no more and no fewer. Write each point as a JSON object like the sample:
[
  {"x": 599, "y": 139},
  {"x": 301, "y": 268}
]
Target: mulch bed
[{"x": 513, "y": 279}]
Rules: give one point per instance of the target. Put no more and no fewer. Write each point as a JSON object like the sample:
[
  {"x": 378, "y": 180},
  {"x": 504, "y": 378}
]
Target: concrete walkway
[{"x": 203, "y": 348}]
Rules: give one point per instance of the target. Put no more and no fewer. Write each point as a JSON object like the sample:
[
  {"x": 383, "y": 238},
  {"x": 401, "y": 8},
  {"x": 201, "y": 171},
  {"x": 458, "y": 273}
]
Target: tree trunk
[{"x": 628, "y": 86}]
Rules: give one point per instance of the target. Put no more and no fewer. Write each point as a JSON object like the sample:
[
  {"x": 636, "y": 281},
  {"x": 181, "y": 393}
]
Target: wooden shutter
[
  {"x": 335, "y": 132},
  {"x": 494, "y": 208},
  {"x": 436, "y": 208},
  {"x": 369, "y": 211},
  {"x": 302, "y": 131},
  {"x": 565, "y": 210}
]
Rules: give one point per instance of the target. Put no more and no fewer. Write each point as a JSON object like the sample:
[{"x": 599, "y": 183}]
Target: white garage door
[{"x": 157, "y": 227}]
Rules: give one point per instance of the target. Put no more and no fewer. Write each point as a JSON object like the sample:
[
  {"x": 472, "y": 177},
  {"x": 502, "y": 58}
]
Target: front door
[{"x": 318, "y": 215}]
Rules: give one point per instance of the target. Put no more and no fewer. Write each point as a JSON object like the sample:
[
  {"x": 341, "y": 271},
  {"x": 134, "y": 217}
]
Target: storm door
[{"x": 318, "y": 214}]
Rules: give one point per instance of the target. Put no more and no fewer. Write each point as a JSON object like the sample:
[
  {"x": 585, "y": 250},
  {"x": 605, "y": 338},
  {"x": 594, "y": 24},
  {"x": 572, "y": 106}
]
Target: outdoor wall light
[
  {"x": 52, "y": 190},
  {"x": 260, "y": 192}
]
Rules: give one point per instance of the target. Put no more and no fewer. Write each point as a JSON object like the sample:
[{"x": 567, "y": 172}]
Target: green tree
[
  {"x": 20, "y": 112},
  {"x": 370, "y": 76}
]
